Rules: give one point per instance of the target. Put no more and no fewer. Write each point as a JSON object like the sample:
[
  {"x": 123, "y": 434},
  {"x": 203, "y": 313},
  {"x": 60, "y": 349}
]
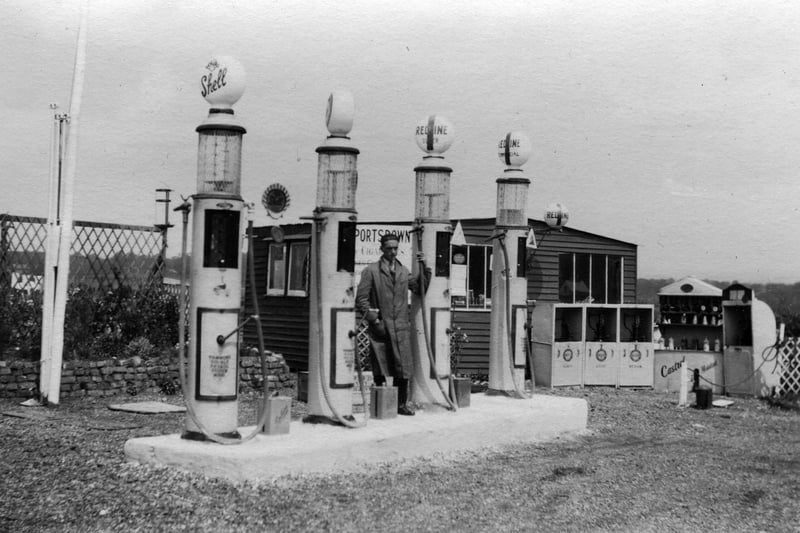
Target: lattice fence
[
  {"x": 102, "y": 255},
  {"x": 789, "y": 366}
]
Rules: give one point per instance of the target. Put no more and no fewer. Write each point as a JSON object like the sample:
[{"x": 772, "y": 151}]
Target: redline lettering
[
  {"x": 515, "y": 143},
  {"x": 211, "y": 84},
  {"x": 438, "y": 129}
]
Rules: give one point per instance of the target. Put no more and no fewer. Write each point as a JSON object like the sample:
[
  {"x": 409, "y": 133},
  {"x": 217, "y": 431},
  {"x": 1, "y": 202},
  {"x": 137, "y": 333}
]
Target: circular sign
[
  {"x": 275, "y": 199},
  {"x": 459, "y": 258},
  {"x": 601, "y": 355},
  {"x": 556, "y": 215},
  {"x": 339, "y": 113},
  {"x": 636, "y": 356},
  {"x": 434, "y": 134},
  {"x": 514, "y": 149},
  {"x": 568, "y": 355},
  {"x": 222, "y": 81},
  {"x": 277, "y": 234}
]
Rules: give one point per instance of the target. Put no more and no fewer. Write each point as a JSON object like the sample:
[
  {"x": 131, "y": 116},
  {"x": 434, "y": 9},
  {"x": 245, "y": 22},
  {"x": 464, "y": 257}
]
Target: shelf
[{"x": 678, "y": 324}]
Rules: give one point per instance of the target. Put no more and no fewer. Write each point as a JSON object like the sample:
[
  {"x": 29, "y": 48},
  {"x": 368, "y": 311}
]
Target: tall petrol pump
[
  {"x": 331, "y": 352},
  {"x": 507, "y": 334},
  {"x": 431, "y": 309},
  {"x": 216, "y": 272}
]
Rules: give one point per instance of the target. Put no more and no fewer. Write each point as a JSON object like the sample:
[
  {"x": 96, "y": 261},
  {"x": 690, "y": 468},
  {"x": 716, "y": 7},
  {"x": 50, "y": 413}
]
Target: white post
[
  {"x": 683, "y": 399},
  {"x": 64, "y": 235}
]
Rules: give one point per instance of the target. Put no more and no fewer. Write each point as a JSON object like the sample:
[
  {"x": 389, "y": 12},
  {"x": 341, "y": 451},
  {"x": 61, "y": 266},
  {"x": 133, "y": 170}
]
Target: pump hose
[
  {"x": 451, "y": 404},
  {"x": 323, "y": 382},
  {"x": 182, "y": 342},
  {"x": 520, "y": 393}
]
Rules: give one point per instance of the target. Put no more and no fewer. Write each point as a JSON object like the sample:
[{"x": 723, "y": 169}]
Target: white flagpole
[
  {"x": 50, "y": 258},
  {"x": 68, "y": 186}
]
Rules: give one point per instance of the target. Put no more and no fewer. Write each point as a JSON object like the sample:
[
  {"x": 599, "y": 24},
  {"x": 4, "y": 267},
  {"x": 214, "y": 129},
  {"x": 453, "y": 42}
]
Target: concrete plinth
[{"x": 490, "y": 421}]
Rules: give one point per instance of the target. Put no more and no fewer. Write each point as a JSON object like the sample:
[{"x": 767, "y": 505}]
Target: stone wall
[{"x": 20, "y": 379}]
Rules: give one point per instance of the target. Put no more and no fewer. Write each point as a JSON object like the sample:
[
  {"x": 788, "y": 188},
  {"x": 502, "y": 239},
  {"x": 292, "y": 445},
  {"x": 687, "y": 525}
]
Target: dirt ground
[{"x": 644, "y": 465}]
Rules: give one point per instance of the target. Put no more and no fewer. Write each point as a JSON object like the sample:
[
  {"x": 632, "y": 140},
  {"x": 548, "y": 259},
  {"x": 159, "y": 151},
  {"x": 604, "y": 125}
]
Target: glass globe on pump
[
  {"x": 222, "y": 83},
  {"x": 434, "y": 135},
  {"x": 514, "y": 150}
]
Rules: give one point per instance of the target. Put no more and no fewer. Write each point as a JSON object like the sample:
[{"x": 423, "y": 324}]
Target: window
[
  {"x": 288, "y": 269},
  {"x": 476, "y": 277},
  {"x": 593, "y": 278}
]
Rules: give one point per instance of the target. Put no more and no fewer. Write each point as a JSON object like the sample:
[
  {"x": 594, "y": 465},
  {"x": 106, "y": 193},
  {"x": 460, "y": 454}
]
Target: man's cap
[{"x": 389, "y": 237}]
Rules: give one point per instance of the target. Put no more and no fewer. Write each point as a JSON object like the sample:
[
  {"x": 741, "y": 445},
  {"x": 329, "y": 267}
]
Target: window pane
[
  {"x": 221, "y": 246},
  {"x": 522, "y": 257},
  {"x": 598, "y": 278},
  {"x": 581, "y": 277},
  {"x": 346, "y": 254},
  {"x": 565, "y": 281},
  {"x": 298, "y": 267},
  {"x": 476, "y": 282},
  {"x": 442, "y": 253},
  {"x": 614, "y": 279},
  {"x": 276, "y": 273},
  {"x": 488, "y": 273}
]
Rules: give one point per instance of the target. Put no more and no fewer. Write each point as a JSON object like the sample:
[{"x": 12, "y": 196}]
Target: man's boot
[{"x": 402, "y": 397}]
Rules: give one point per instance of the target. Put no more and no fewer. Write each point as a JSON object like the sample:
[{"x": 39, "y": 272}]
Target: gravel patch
[{"x": 645, "y": 465}]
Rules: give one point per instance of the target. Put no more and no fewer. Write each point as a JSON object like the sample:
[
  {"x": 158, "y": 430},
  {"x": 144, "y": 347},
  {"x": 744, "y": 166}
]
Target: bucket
[{"x": 704, "y": 398}]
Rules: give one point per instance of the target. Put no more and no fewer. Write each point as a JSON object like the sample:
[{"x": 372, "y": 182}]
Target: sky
[{"x": 671, "y": 125}]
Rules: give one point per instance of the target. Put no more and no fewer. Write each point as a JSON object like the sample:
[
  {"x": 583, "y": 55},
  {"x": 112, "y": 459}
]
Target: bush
[{"x": 98, "y": 323}]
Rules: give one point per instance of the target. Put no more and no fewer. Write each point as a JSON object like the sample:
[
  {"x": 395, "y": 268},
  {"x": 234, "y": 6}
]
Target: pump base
[
  {"x": 506, "y": 393},
  {"x": 321, "y": 419},
  {"x": 489, "y": 423},
  {"x": 200, "y": 436}
]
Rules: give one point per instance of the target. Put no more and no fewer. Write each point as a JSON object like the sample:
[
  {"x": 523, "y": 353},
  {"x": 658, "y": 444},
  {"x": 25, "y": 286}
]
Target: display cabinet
[
  {"x": 601, "y": 332},
  {"x": 587, "y": 344},
  {"x": 636, "y": 346},
  {"x": 690, "y": 316}
]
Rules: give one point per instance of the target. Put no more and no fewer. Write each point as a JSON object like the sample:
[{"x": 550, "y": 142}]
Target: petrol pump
[
  {"x": 507, "y": 335},
  {"x": 331, "y": 352},
  {"x": 216, "y": 272},
  {"x": 431, "y": 310}
]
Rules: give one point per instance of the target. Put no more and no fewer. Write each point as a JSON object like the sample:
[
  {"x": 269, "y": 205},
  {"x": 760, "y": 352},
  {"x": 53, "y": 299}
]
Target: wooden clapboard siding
[
  {"x": 475, "y": 353},
  {"x": 284, "y": 320}
]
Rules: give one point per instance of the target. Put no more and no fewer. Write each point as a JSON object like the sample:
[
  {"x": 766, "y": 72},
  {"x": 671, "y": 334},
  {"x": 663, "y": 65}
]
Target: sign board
[{"x": 368, "y": 245}]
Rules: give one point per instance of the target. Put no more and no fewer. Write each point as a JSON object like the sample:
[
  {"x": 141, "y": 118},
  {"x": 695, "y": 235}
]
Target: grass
[{"x": 644, "y": 465}]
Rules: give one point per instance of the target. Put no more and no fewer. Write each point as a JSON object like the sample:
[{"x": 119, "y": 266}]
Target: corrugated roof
[{"x": 690, "y": 286}]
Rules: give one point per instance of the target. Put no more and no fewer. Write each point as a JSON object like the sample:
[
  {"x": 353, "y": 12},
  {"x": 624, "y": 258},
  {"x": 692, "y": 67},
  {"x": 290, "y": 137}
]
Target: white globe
[
  {"x": 514, "y": 149},
  {"x": 222, "y": 81},
  {"x": 556, "y": 215},
  {"x": 434, "y": 134},
  {"x": 339, "y": 113}
]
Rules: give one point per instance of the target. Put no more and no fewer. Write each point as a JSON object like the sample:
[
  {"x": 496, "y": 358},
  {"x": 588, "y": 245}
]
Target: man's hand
[{"x": 420, "y": 256}]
